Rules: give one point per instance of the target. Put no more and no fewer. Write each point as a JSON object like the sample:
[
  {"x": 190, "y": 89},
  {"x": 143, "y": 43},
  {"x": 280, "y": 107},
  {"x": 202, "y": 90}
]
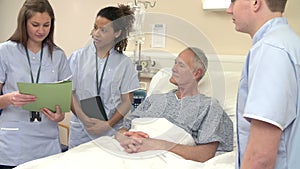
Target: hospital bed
[{"x": 90, "y": 155}]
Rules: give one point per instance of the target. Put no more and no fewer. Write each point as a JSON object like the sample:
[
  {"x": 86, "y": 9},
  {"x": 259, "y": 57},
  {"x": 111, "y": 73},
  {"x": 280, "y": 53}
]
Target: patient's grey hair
[{"x": 200, "y": 60}]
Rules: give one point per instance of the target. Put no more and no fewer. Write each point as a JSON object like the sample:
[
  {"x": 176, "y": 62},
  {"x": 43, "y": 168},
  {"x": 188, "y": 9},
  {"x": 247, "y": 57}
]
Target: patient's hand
[
  {"x": 131, "y": 140},
  {"x": 136, "y": 134},
  {"x": 136, "y": 145},
  {"x": 131, "y": 145}
]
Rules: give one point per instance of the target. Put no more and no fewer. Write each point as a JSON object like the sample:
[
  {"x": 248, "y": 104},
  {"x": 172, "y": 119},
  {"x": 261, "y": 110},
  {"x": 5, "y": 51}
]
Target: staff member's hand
[
  {"x": 17, "y": 99},
  {"x": 56, "y": 117},
  {"x": 96, "y": 126}
]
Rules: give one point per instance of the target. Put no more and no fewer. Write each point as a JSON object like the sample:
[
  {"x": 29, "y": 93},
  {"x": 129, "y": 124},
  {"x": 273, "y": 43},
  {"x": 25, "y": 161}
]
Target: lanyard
[
  {"x": 35, "y": 115},
  {"x": 97, "y": 76},
  {"x": 39, "y": 70}
]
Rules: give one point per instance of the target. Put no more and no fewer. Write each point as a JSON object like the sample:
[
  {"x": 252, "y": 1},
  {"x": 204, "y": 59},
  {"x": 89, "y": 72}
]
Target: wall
[{"x": 187, "y": 24}]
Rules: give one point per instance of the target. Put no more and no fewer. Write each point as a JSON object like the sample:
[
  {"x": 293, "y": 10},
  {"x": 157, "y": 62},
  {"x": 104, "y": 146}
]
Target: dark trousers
[{"x": 6, "y": 167}]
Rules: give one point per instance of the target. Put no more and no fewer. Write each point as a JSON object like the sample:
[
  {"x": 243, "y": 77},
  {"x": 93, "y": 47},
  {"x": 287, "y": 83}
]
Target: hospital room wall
[{"x": 185, "y": 20}]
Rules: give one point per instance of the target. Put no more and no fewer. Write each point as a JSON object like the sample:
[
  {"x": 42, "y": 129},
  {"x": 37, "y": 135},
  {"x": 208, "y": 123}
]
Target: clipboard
[
  {"x": 48, "y": 95},
  {"x": 94, "y": 108}
]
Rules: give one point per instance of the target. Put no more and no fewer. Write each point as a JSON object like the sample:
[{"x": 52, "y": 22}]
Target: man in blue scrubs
[{"x": 268, "y": 130}]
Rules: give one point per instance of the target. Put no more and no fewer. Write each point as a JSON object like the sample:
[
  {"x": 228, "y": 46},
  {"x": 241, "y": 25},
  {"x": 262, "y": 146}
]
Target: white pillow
[
  {"x": 160, "y": 82},
  {"x": 222, "y": 86}
]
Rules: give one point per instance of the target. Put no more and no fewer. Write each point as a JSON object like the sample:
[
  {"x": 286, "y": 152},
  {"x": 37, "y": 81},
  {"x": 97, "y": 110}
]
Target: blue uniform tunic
[
  {"x": 269, "y": 90},
  {"x": 120, "y": 77},
  {"x": 20, "y": 139}
]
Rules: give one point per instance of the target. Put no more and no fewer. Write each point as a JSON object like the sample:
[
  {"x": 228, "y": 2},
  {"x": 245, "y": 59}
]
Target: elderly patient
[{"x": 199, "y": 115}]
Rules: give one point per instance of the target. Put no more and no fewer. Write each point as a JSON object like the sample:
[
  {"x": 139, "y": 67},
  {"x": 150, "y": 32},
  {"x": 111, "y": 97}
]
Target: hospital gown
[{"x": 200, "y": 116}]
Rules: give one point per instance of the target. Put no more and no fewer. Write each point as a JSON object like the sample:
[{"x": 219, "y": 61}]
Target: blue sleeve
[
  {"x": 2, "y": 70},
  {"x": 73, "y": 66},
  {"x": 130, "y": 79},
  {"x": 1, "y": 93},
  {"x": 2, "y": 64},
  {"x": 272, "y": 87},
  {"x": 72, "y": 61},
  {"x": 64, "y": 68}
]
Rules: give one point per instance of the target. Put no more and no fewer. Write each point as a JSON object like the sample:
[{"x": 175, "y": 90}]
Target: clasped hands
[{"x": 138, "y": 141}]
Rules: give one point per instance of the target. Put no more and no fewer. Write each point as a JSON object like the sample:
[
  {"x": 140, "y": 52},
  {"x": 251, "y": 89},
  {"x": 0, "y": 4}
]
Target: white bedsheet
[
  {"x": 90, "y": 155},
  {"x": 106, "y": 152}
]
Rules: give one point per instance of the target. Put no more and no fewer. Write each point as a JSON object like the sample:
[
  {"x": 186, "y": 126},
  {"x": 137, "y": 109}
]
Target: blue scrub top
[
  {"x": 120, "y": 77},
  {"x": 269, "y": 90},
  {"x": 20, "y": 139}
]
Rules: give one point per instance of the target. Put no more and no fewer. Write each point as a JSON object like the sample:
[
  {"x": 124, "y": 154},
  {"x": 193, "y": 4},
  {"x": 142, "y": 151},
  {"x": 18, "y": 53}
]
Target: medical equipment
[
  {"x": 137, "y": 34},
  {"x": 138, "y": 97}
]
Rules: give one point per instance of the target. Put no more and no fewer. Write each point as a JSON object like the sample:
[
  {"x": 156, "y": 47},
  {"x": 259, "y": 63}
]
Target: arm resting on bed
[{"x": 200, "y": 153}]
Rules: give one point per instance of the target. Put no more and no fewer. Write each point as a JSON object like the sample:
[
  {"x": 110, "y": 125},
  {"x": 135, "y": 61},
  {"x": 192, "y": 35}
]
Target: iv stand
[
  {"x": 145, "y": 3},
  {"x": 139, "y": 7}
]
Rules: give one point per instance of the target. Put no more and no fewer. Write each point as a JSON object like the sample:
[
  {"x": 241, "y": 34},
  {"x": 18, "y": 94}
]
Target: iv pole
[
  {"x": 145, "y": 3},
  {"x": 137, "y": 35}
]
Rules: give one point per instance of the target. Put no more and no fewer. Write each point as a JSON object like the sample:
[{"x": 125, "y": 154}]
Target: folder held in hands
[{"x": 48, "y": 95}]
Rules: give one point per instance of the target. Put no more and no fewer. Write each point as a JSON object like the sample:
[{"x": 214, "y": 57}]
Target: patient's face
[{"x": 182, "y": 71}]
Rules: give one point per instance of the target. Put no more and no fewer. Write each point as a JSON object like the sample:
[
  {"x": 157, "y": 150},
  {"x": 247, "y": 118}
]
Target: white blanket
[{"x": 106, "y": 152}]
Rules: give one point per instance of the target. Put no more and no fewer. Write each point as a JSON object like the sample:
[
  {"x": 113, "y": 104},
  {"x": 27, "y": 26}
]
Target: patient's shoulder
[
  {"x": 209, "y": 99},
  {"x": 157, "y": 95}
]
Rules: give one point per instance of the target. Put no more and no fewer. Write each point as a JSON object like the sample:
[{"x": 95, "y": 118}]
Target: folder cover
[
  {"x": 94, "y": 108},
  {"x": 48, "y": 95}
]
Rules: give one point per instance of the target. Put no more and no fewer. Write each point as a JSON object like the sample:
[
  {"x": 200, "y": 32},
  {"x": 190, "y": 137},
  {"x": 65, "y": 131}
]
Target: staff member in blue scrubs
[
  {"x": 102, "y": 69},
  {"x": 29, "y": 55},
  {"x": 268, "y": 114}
]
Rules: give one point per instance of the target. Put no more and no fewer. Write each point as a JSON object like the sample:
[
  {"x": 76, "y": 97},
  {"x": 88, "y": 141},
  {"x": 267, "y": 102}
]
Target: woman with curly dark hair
[{"x": 102, "y": 73}]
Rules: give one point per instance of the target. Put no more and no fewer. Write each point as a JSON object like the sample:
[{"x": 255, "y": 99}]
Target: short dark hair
[{"x": 276, "y": 5}]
